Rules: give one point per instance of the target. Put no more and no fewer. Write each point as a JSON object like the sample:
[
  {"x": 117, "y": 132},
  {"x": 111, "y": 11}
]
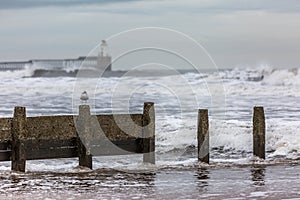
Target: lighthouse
[{"x": 104, "y": 60}]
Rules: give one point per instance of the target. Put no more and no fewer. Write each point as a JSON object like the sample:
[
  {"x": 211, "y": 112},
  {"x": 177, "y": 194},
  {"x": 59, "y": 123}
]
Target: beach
[
  {"x": 233, "y": 172},
  {"x": 279, "y": 181}
]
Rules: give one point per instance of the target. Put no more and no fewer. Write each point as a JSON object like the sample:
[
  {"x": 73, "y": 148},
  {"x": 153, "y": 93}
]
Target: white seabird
[{"x": 84, "y": 96}]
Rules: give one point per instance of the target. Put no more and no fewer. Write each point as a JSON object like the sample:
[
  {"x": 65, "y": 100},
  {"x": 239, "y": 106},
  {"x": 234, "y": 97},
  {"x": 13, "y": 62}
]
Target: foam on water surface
[{"x": 177, "y": 99}]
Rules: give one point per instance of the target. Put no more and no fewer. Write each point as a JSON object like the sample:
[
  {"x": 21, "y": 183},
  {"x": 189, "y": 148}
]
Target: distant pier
[{"x": 46, "y": 66}]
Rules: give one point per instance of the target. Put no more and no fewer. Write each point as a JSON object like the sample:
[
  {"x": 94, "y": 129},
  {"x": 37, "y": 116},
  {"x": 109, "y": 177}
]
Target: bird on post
[{"x": 84, "y": 97}]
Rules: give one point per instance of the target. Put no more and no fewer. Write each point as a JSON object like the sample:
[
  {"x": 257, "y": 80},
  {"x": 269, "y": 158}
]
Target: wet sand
[{"x": 280, "y": 181}]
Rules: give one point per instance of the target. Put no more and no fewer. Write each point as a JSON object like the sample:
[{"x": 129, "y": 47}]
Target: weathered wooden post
[
  {"x": 83, "y": 138},
  {"x": 259, "y": 132},
  {"x": 203, "y": 136},
  {"x": 19, "y": 133},
  {"x": 149, "y": 133}
]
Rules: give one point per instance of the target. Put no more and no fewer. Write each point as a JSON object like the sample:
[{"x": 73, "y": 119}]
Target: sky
[{"x": 234, "y": 32}]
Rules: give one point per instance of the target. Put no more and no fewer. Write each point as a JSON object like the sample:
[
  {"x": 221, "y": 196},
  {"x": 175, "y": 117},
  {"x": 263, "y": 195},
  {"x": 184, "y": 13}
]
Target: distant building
[{"x": 103, "y": 60}]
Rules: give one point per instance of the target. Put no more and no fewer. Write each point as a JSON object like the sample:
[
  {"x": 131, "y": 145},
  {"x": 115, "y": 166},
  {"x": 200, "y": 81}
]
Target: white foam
[
  {"x": 27, "y": 72},
  {"x": 176, "y": 122},
  {"x": 283, "y": 77}
]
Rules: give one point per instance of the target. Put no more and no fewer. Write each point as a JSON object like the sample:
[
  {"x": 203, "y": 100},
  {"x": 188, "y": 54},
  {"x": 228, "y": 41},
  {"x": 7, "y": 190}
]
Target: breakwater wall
[{"x": 84, "y": 135}]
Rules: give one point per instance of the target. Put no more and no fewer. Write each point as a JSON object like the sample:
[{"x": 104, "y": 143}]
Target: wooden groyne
[
  {"x": 84, "y": 135},
  {"x": 259, "y": 133}
]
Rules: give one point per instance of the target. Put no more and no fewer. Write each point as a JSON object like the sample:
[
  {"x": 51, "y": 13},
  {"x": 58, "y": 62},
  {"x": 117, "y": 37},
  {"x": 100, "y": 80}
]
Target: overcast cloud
[
  {"x": 206, "y": 5},
  {"x": 21, "y": 4},
  {"x": 235, "y": 32}
]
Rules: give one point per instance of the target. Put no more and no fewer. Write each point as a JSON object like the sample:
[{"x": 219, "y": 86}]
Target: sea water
[{"x": 228, "y": 94}]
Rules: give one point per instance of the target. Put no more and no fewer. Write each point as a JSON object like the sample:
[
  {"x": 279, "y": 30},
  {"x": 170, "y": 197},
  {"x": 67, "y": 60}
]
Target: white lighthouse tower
[{"x": 104, "y": 60}]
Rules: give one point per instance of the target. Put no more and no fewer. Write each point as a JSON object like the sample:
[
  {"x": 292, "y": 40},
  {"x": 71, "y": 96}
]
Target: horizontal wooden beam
[
  {"x": 49, "y": 144},
  {"x": 48, "y": 149},
  {"x": 5, "y": 151},
  {"x": 4, "y": 145},
  {"x": 5, "y": 155},
  {"x": 58, "y": 152},
  {"x": 5, "y": 129},
  {"x": 63, "y": 127},
  {"x": 121, "y": 147}
]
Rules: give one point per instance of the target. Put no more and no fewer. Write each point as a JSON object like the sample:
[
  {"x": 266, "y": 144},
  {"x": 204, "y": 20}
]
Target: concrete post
[
  {"x": 149, "y": 133},
  {"x": 259, "y": 132},
  {"x": 19, "y": 133},
  {"x": 83, "y": 128},
  {"x": 203, "y": 136}
]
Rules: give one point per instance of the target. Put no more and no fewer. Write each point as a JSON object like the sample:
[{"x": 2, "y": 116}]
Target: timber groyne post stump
[
  {"x": 203, "y": 136},
  {"x": 19, "y": 133},
  {"x": 83, "y": 138},
  {"x": 149, "y": 133},
  {"x": 259, "y": 132}
]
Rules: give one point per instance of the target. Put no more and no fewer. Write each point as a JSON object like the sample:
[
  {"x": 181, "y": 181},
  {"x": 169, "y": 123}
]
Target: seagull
[{"x": 84, "y": 97}]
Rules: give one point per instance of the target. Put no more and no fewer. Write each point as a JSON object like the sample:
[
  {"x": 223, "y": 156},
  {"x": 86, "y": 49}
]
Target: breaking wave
[
  {"x": 231, "y": 138},
  {"x": 265, "y": 74},
  {"x": 26, "y": 72}
]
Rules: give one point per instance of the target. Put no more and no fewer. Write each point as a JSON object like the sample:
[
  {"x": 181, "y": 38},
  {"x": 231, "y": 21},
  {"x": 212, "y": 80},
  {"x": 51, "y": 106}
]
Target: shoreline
[{"x": 251, "y": 182}]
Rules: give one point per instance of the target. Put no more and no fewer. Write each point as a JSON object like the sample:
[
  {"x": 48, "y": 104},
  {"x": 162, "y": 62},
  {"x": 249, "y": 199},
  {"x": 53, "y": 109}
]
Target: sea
[{"x": 228, "y": 94}]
